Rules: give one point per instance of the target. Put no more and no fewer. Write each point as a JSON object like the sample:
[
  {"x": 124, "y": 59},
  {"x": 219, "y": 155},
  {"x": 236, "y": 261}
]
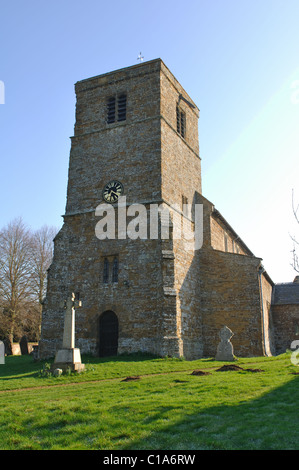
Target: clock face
[{"x": 112, "y": 191}]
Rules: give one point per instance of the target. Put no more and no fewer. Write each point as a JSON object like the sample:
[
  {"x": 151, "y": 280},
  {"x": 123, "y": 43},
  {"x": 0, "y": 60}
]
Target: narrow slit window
[
  {"x": 106, "y": 271},
  {"x": 115, "y": 270},
  {"x": 180, "y": 122}
]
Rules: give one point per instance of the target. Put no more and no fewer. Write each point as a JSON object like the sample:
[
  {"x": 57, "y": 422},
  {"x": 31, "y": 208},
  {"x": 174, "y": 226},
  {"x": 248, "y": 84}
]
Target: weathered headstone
[
  {"x": 69, "y": 357},
  {"x": 225, "y": 350},
  {"x": 35, "y": 352},
  {"x": 8, "y": 347},
  {"x": 24, "y": 345},
  {"x": 2, "y": 353},
  {"x": 16, "y": 350}
]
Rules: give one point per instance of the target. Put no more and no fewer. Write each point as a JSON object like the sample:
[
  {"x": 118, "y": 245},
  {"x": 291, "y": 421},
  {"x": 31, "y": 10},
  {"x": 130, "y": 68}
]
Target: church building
[{"x": 136, "y": 147}]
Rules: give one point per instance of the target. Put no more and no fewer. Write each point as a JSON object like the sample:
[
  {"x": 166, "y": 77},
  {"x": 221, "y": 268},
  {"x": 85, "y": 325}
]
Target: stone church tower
[{"x": 136, "y": 137}]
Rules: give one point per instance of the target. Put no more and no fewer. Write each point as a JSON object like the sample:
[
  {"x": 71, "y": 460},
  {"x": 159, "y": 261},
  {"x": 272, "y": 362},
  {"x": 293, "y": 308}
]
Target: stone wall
[
  {"x": 266, "y": 289},
  {"x": 285, "y": 314},
  {"x": 136, "y": 298},
  {"x": 181, "y": 177},
  {"x": 230, "y": 290},
  {"x": 230, "y": 295},
  {"x": 286, "y": 326},
  {"x": 223, "y": 239}
]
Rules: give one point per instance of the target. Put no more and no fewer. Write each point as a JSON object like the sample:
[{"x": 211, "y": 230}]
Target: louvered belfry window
[
  {"x": 117, "y": 108},
  {"x": 122, "y": 108},
  {"x": 111, "y": 110},
  {"x": 180, "y": 122}
]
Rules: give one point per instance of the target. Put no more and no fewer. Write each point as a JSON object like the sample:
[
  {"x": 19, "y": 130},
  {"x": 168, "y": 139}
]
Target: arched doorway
[{"x": 108, "y": 334}]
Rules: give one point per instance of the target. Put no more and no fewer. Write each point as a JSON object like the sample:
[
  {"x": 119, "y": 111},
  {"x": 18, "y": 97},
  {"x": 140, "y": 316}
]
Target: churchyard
[{"x": 143, "y": 402}]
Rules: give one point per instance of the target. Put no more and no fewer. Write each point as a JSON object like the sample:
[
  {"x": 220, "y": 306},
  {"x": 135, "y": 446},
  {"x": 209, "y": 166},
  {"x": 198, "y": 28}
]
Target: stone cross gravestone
[
  {"x": 2, "y": 353},
  {"x": 69, "y": 357},
  {"x": 225, "y": 350}
]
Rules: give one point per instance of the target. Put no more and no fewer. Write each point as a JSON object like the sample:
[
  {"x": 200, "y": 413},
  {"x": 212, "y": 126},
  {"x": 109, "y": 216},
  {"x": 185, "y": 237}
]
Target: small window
[
  {"x": 110, "y": 265},
  {"x": 117, "y": 109},
  {"x": 180, "y": 122},
  {"x": 106, "y": 271},
  {"x": 115, "y": 270}
]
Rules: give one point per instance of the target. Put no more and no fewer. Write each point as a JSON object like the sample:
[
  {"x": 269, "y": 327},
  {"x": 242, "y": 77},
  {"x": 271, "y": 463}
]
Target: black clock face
[{"x": 112, "y": 191}]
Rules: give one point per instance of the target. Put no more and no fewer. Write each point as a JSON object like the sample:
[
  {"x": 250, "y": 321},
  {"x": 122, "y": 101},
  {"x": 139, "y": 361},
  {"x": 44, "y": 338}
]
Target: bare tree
[
  {"x": 15, "y": 273},
  {"x": 41, "y": 258},
  {"x": 295, "y": 259},
  {"x": 25, "y": 257}
]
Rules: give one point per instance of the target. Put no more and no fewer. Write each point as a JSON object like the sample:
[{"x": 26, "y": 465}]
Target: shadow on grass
[
  {"x": 16, "y": 367},
  {"x": 266, "y": 423}
]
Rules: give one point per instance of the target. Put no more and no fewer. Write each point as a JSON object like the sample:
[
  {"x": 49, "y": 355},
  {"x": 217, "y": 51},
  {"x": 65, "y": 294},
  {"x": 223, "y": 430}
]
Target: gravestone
[
  {"x": 2, "y": 353},
  {"x": 69, "y": 357},
  {"x": 35, "y": 352},
  {"x": 8, "y": 347},
  {"x": 24, "y": 346},
  {"x": 225, "y": 350}
]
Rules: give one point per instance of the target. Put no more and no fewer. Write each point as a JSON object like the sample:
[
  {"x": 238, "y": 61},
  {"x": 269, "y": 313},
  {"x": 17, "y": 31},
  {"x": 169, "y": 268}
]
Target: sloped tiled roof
[{"x": 287, "y": 293}]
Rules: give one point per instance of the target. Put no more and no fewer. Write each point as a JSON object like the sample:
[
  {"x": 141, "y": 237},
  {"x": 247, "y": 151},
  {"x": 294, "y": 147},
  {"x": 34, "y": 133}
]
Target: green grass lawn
[{"x": 166, "y": 409}]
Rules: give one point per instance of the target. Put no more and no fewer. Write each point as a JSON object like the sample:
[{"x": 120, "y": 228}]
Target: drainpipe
[{"x": 261, "y": 271}]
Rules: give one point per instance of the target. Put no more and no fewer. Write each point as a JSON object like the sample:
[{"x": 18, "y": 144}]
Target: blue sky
[{"x": 237, "y": 59}]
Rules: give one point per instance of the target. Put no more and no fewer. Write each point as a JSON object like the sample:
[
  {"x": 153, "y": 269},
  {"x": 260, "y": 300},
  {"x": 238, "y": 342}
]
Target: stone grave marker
[
  {"x": 8, "y": 347},
  {"x": 69, "y": 357},
  {"x": 24, "y": 345},
  {"x": 2, "y": 353},
  {"x": 225, "y": 350}
]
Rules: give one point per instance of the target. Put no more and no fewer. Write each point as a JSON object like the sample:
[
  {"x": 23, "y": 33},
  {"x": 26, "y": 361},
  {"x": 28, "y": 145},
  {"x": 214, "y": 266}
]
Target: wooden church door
[{"x": 108, "y": 334}]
